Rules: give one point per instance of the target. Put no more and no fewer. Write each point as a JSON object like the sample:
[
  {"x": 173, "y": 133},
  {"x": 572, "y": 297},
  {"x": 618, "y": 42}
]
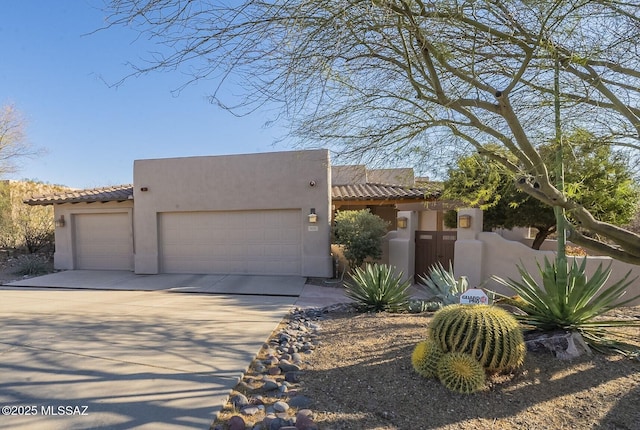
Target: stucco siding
[
  {"x": 293, "y": 180},
  {"x": 66, "y": 237}
]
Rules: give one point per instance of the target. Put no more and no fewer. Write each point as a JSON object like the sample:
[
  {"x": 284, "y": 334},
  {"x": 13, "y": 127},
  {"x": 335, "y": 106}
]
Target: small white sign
[
  {"x": 474, "y": 296},
  {"x": 313, "y": 228}
]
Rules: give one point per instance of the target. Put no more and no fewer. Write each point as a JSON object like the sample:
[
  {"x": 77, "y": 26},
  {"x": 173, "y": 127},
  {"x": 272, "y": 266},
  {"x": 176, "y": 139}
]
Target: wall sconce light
[
  {"x": 464, "y": 221},
  {"x": 402, "y": 222},
  {"x": 313, "y": 218},
  {"x": 60, "y": 221}
]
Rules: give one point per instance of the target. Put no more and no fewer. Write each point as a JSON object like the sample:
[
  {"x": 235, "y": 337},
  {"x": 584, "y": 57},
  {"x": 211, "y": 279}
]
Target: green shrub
[
  {"x": 574, "y": 305},
  {"x": 425, "y": 358},
  {"x": 461, "y": 373},
  {"x": 488, "y": 333},
  {"x": 361, "y": 233},
  {"x": 377, "y": 288},
  {"x": 443, "y": 284},
  {"x": 419, "y": 306}
]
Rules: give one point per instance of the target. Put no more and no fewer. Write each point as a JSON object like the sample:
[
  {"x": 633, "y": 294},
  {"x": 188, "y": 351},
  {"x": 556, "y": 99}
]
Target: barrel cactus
[
  {"x": 461, "y": 373},
  {"x": 489, "y": 334},
  {"x": 425, "y": 358}
]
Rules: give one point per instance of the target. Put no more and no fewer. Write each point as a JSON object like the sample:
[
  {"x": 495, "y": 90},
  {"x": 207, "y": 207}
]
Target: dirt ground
[{"x": 361, "y": 377}]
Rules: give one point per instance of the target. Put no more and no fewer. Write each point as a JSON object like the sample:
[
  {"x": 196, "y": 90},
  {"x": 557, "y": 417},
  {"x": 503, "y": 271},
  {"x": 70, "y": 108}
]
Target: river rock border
[{"x": 270, "y": 395}]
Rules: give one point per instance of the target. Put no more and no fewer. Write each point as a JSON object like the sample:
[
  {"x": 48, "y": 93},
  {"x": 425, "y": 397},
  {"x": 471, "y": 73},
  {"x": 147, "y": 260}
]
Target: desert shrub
[
  {"x": 443, "y": 285},
  {"x": 575, "y": 304},
  {"x": 32, "y": 265},
  {"x": 378, "y": 288},
  {"x": 360, "y": 233},
  {"x": 489, "y": 334},
  {"x": 461, "y": 373}
]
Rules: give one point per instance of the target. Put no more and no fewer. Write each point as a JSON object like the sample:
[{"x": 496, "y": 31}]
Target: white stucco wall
[
  {"x": 277, "y": 180},
  {"x": 480, "y": 255}
]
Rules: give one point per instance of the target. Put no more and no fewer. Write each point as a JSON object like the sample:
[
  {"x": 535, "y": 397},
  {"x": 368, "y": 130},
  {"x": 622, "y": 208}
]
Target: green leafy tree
[
  {"x": 392, "y": 79},
  {"x": 595, "y": 177},
  {"x": 361, "y": 233}
]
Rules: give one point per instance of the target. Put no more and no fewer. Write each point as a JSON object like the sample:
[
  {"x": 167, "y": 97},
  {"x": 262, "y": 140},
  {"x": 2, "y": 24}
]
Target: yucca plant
[
  {"x": 444, "y": 285},
  {"x": 574, "y": 304},
  {"x": 378, "y": 288}
]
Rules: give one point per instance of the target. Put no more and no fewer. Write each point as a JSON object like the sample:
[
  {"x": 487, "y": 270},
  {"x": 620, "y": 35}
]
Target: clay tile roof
[
  {"x": 352, "y": 192},
  {"x": 380, "y": 192},
  {"x": 116, "y": 193}
]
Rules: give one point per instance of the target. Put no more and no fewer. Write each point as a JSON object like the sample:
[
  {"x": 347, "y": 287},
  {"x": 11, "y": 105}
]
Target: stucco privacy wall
[
  {"x": 296, "y": 180},
  {"x": 479, "y": 255},
  {"x": 65, "y": 236}
]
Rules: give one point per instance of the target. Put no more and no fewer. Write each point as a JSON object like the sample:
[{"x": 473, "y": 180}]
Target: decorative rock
[
  {"x": 285, "y": 366},
  {"x": 278, "y": 423},
  {"x": 269, "y": 385},
  {"x": 273, "y": 371},
  {"x": 564, "y": 345},
  {"x": 239, "y": 400},
  {"x": 280, "y": 406},
  {"x": 250, "y": 410},
  {"x": 256, "y": 400},
  {"x": 236, "y": 423},
  {"x": 304, "y": 422},
  {"x": 271, "y": 361}
]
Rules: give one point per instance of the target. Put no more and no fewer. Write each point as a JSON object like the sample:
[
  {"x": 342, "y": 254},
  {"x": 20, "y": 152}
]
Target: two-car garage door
[{"x": 244, "y": 242}]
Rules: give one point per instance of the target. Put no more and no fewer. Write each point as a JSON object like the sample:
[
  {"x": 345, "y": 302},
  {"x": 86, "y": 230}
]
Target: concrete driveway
[
  {"x": 126, "y": 280},
  {"x": 80, "y": 359}
]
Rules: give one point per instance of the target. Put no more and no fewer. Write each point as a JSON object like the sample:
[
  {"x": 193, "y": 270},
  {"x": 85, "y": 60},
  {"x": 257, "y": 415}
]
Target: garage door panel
[
  {"x": 102, "y": 241},
  {"x": 252, "y": 242}
]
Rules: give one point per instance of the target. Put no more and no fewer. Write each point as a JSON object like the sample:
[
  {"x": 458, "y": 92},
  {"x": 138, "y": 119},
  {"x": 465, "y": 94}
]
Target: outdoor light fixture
[
  {"x": 464, "y": 221},
  {"x": 313, "y": 218},
  {"x": 60, "y": 221},
  {"x": 402, "y": 222}
]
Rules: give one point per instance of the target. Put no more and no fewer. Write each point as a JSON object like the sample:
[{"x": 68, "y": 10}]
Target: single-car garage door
[
  {"x": 103, "y": 241},
  {"x": 246, "y": 242}
]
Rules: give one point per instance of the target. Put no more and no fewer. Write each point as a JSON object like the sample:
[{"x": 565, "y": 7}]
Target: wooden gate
[{"x": 433, "y": 247}]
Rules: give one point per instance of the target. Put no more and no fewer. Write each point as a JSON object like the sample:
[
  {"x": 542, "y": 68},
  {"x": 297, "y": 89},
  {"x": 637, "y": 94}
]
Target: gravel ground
[{"x": 360, "y": 377}]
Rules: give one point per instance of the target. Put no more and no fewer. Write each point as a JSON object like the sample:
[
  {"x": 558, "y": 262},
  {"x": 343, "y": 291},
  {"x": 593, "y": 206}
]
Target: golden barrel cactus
[
  {"x": 425, "y": 358},
  {"x": 489, "y": 334},
  {"x": 461, "y": 373}
]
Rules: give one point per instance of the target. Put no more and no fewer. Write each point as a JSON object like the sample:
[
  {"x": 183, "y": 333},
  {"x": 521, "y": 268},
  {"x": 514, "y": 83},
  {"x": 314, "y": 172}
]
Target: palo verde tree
[
  {"x": 594, "y": 177},
  {"x": 399, "y": 78}
]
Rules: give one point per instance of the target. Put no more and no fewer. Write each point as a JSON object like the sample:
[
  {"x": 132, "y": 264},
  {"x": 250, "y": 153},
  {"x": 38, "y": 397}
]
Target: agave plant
[
  {"x": 378, "y": 288},
  {"x": 573, "y": 305},
  {"x": 444, "y": 285}
]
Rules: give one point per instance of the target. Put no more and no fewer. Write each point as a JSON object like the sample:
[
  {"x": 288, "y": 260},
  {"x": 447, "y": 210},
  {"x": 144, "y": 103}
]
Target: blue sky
[{"x": 55, "y": 74}]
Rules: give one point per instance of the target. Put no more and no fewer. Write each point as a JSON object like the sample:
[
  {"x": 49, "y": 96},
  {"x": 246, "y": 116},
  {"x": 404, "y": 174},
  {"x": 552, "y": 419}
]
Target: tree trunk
[{"x": 541, "y": 236}]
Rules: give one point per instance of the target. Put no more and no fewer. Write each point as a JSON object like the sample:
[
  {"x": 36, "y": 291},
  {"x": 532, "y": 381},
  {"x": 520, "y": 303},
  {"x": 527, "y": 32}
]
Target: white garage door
[
  {"x": 251, "y": 242},
  {"x": 103, "y": 241}
]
